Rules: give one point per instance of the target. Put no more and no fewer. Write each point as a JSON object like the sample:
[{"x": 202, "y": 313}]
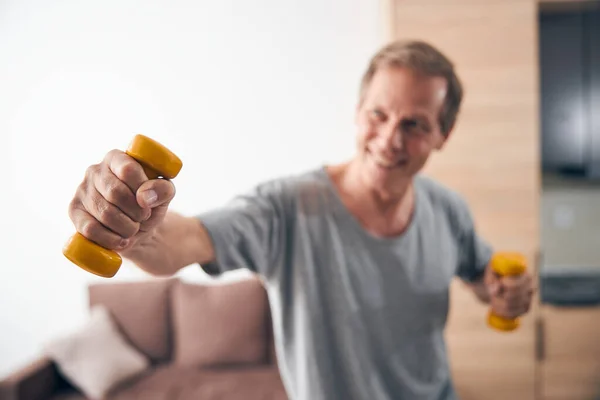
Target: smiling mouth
[{"x": 386, "y": 163}]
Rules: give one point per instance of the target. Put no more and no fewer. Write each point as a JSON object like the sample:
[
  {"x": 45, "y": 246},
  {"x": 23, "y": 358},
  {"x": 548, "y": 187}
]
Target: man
[{"x": 357, "y": 258}]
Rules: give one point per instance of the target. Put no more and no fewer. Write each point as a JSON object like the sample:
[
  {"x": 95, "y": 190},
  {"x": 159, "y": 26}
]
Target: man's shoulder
[
  {"x": 307, "y": 182},
  {"x": 437, "y": 190},
  {"x": 443, "y": 198}
]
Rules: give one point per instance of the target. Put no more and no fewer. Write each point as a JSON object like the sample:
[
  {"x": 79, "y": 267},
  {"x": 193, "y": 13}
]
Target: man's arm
[
  {"x": 178, "y": 241},
  {"x": 480, "y": 288},
  {"x": 246, "y": 233},
  {"x": 474, "y": 267},
  {"x": 508, "y": 296}
]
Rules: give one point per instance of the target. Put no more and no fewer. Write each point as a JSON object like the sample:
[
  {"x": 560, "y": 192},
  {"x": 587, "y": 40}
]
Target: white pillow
[{"x": 96, "y": 357}]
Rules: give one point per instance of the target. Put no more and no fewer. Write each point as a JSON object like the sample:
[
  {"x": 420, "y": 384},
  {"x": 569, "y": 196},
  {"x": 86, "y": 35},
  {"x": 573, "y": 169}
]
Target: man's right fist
[{"x": 116, "y": 205}]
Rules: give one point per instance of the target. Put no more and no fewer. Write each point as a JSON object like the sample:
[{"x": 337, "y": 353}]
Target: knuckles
[
  {"x": 512, "y": 306},
  {"x": 105, "y": 212},
  {"x": 90, "y": 228},
  {"x": 112, "y": 154},
  {"x": 91, "y": 172},
  {"x": 74, "y": 204},
  {"x": 126, "y": 171},
  {"x": 116, "y": 193}
]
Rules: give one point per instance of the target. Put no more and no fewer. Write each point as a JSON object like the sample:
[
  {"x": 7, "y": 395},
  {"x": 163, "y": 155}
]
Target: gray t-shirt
[{"x": 355, "y": 317}]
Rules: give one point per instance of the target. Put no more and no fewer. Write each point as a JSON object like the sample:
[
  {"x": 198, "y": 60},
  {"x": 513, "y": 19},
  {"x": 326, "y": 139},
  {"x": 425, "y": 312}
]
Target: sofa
[{"x": 178, "y": 340}]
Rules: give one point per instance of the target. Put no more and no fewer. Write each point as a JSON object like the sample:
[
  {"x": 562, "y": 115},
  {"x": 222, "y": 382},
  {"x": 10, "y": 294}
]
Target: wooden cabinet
[
  {"x": 493, "y": 159},
  {"x": 570, "y": 362}
]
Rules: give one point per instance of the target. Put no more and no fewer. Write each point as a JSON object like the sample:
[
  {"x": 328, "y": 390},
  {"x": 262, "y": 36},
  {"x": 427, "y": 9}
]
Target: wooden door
[{"x": 493, "y": 160}]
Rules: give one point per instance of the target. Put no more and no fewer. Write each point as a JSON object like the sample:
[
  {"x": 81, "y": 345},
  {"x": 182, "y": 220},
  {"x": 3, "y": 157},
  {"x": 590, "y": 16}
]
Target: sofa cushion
[
  {"x": 188, "y": 383},
  {"x": 220, "y": 324},
  {"x": 68, "y": 395},
  {"x": 141, "y": 310},
  {"x": 96, "y": 358}
]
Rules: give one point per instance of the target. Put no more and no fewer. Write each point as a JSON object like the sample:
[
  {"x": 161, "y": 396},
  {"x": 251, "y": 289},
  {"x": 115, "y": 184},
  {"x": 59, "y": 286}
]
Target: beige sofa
[{"x": 202, "y": 341}]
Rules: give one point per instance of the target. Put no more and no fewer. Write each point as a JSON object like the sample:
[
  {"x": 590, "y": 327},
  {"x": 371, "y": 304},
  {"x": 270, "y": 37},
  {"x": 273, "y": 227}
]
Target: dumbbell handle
[
  {"x": 506, "y": 264},
  {"x": 157, "y": 161}
]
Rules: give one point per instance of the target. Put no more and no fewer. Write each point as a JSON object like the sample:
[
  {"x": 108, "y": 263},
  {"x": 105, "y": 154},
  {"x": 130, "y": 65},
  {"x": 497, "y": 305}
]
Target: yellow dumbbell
[
  {"x": 157, "y": 161},
  {"x": 506, "y": 264}
]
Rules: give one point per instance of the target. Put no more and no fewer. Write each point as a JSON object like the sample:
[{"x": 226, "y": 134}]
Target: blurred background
[{"x": 246, "y": 91}]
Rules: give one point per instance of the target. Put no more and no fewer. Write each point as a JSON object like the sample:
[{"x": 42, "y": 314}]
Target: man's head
[{"x": 409, "y": 100}]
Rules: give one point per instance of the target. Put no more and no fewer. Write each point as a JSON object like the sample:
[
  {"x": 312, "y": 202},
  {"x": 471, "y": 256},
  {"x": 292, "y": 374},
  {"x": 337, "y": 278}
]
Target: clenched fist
[
  {"x": 510, "y": 296},
  {"x": 116, "y": 205}
]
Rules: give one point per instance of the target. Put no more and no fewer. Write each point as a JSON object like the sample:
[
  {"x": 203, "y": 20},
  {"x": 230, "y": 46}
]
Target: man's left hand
[{"x": 509, "y": 296}]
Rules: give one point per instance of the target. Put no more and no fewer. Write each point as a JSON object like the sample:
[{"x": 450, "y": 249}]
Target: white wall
[{"x": 221, "y": 83}]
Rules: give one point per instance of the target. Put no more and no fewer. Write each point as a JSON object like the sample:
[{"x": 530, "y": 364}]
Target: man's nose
[{"x": 391, "y": 137}]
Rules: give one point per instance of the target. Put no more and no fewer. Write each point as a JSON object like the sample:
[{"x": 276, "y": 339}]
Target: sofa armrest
[{"x": 36, "y": 381}]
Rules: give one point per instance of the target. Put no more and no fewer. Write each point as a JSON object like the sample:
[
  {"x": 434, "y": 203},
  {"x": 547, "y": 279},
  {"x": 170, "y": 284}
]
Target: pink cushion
[
  {"x": 172, "y": 382},
  {"x": 220, "y": 324},
  {"x": 141, "y": 311},
  {"x": 95, "y": 357}
]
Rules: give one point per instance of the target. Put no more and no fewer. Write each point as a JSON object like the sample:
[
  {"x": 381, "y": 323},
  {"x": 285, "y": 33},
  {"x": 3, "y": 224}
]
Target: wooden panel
[
  {"x": 493, "y": 159},
  {"x": 571, "y": 365}
]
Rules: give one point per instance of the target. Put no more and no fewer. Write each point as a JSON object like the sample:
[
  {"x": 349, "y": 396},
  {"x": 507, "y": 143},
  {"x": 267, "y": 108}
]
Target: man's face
[{"x": 398, "y": 125}]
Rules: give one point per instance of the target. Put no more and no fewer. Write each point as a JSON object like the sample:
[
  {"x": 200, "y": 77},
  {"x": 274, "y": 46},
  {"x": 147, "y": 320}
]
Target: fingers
[
  {"x": 108, "y": 214},
  {"x": 517, "y": 287},
  {"x": 514, "y": 297},
  {"x": 494, "y": 285},
  {"x": 116, "y": 200},
  {"x": 118, "y": 193},
  {"x": 92, "y": 229},
  {"x": 506, "y": 310},
  {"x": 156, "y": 194},
  {"x": 126, "y": 169}
]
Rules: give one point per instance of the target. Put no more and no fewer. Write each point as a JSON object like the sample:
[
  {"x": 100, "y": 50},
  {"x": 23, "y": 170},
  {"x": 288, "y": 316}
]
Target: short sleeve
[
  {"x": 474, "y": 252},
  {"x": 248, "y": 232}
]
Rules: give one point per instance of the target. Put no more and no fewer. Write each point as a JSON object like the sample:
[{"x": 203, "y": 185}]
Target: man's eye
[
  {"x": 410, "y": 125},
  {"x": 414, "y": 127},
  {"x": 378, "y": 114}
]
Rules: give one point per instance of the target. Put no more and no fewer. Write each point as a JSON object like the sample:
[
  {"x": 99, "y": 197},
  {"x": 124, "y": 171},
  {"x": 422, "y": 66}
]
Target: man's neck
[{"x": 382, "y": 212}]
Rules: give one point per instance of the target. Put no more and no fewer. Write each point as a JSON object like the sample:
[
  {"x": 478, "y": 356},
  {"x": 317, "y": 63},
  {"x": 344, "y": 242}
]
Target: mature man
[{"x": 357, "y": 258}]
